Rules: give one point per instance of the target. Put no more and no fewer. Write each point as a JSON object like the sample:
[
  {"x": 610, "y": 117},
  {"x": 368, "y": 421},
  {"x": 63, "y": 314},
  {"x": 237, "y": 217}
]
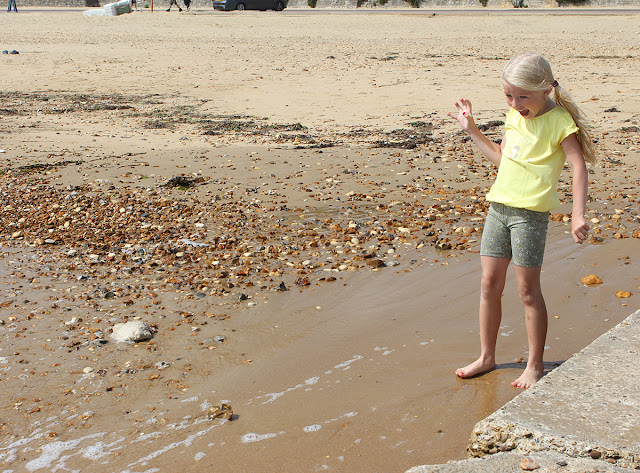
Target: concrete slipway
[{"x": 582, "y": 417}]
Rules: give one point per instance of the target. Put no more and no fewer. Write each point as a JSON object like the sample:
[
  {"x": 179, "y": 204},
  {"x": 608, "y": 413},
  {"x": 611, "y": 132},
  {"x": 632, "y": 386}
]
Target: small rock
[
  {"x": 73, "y": 321},
  {"x": 595, "y": 454},
  {"x": 375, "y": 263},
  {"x": 302, "y": 282},
  {"x": 221, "y": 411},
  {"x": 281, "y": 287},
  {"x": 133, "y": 331},
  {"x": 87, "y": 370},
  {"x": 442, "y": 245},
  {"x": 529, "y": 465},
  {"x": 591, "y": 280}
]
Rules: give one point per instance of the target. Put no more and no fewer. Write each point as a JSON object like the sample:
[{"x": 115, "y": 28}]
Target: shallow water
[{"x": 352, "y": 376}]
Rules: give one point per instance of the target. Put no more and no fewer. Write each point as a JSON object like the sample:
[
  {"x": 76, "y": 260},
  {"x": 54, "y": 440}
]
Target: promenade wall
[{"x": 338, "y": 4}]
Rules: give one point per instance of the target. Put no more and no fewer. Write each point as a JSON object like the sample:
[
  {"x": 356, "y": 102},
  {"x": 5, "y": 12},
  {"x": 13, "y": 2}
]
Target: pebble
[
  {"x": 529, "y": 465},
  {"x": 221, "y": 411},
  {"x": 375, "y": 263},
  {"x": 591, "y": 280},
  {"x": 133, "y": 331}
]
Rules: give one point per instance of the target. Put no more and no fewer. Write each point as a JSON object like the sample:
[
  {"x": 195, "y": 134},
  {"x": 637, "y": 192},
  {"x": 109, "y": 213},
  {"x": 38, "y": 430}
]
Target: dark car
[{"x": 227, "y": 5}]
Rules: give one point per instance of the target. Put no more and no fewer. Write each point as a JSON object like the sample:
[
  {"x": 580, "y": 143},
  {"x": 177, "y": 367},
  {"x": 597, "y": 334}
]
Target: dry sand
[{"x": 314, "y": 154}]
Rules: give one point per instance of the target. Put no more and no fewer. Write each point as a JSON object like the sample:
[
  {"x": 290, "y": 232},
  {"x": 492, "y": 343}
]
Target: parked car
[{"x": 227, "y": 5}]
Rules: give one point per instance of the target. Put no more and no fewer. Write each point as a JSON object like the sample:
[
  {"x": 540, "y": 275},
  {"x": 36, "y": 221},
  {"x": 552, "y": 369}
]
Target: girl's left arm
[{"x": 575, "y": 158}]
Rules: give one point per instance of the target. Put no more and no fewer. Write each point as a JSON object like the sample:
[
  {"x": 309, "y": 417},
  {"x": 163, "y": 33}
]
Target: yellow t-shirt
[{"x": 532, "y": 160}]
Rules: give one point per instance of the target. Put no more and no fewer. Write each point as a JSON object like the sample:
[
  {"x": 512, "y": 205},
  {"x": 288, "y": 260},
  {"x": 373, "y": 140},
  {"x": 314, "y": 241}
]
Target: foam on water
[
  {"x": 52, "y": 451},
  {"x": 100, "y": 450},
  {"x": 345, "y": 364},
  {"x": 273, "y": 396},
  {"x": 253, "y": 437},
  {"x": 186, "y": 442}
]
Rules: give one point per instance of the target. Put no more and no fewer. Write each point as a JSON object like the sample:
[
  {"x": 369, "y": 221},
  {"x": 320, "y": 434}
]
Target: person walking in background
[
  {"x": 172, "y": 3},
  {"x": 544, "y": 128},
  {"x": 12, "y": 3}
]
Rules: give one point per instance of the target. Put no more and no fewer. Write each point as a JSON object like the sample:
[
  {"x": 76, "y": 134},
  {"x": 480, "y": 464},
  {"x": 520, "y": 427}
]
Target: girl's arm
[
  {"x": 493, "y": 151},
  {"x": 575, "y": 158}
]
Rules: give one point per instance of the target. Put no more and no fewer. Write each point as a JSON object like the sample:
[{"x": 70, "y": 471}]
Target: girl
[{"x": 544, "y": 127}]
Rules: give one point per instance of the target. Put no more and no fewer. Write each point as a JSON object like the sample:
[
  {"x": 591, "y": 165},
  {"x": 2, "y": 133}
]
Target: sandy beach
[{"x": 284, "y": 201}]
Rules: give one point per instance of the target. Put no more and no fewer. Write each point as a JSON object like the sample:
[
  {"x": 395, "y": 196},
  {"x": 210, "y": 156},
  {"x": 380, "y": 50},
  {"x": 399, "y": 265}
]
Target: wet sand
[{"x": 314, "y": 155}]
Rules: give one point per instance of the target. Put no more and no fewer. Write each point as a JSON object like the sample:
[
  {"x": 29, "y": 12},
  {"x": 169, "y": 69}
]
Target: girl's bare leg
[
  {"x": 536, "y": 320},
  {"x": 494, "y": 274}
]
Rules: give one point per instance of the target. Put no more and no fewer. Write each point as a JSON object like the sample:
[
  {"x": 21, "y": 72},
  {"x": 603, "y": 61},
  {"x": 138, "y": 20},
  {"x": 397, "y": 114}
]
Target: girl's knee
[
  {"x": 530, "y": 295},
  {"x": 491, "y": 285}
]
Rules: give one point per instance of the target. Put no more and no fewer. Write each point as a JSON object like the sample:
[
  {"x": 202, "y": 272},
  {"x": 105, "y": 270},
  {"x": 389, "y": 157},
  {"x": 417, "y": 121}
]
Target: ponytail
[{"x": 564, "y": 100}]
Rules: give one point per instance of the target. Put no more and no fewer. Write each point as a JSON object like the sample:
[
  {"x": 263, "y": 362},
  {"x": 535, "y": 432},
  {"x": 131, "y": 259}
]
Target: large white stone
[{"x": 133, "y": 331}]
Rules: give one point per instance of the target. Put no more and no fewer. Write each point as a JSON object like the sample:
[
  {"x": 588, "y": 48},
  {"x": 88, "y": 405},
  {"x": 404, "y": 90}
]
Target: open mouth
[{"x": 524, "y": 113}]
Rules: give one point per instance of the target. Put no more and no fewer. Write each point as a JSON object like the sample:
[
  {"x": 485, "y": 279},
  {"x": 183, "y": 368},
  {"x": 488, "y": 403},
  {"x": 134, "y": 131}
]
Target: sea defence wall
[
  {"x": 582, "y": 417},
  {"x": 360, "y": 4}
]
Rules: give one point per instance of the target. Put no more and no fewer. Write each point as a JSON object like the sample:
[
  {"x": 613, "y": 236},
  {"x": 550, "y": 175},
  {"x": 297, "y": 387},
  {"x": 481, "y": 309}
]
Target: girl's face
[{"x": 530, "y": 103}]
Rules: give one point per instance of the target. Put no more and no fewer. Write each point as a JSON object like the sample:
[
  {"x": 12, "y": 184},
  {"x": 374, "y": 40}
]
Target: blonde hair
[{"x": 531, "y": 71}]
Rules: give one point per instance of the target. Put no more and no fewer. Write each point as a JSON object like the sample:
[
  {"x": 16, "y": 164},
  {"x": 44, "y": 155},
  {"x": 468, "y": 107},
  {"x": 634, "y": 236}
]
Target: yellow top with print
[{"x": 532, "y": 160}]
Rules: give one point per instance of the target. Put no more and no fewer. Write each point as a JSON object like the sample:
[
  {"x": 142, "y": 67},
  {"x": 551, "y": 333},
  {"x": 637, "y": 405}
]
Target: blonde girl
[{"x": 543, "y": 129}]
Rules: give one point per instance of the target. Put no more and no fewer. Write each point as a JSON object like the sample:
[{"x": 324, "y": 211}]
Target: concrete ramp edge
[{"x": 588, "y": 408}]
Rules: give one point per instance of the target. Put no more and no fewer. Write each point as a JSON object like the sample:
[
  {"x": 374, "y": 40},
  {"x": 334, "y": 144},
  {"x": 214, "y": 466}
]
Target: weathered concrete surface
[
  {"x": 509, "y": 462},
  {"x": 588, "y": 408}
]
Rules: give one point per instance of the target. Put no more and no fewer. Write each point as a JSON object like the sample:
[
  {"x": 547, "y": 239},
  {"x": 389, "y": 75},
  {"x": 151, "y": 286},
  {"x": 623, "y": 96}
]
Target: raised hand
[{"x": 464, "y": 117}]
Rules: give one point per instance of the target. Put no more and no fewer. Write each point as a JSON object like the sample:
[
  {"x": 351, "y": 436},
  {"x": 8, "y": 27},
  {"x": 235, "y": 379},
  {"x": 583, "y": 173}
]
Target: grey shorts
[{"x": 518, "y": 234}]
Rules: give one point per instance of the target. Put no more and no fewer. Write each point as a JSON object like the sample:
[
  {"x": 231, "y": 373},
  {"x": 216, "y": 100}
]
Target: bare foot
[
  {"x": 530, "y": 377},
  {"x": 480, "y": 366}
]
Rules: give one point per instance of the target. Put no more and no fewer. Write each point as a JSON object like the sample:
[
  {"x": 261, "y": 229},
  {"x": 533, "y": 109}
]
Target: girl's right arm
[{"x": 492, "y": 150}]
